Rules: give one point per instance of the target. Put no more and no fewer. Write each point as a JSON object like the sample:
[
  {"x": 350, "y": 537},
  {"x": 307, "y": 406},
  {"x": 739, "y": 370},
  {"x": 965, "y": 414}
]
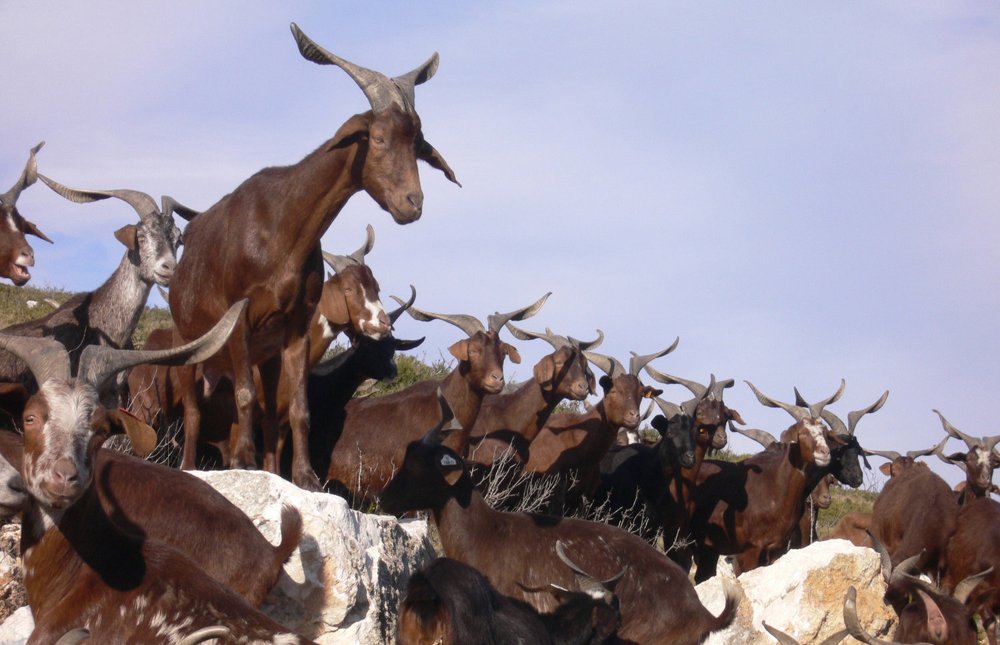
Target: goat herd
[{"x": 121, "y": 550}]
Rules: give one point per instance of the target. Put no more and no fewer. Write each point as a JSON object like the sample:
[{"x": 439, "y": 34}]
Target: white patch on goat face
[
  {"x": 157, "y": 257},
  {"x": 12, "y": 223},
  {"x": 375, "y": 312},
  {"x": 328, "y": 332},
  {"x": 816, "y": 430},
  {"x": 65, "y": 435}
]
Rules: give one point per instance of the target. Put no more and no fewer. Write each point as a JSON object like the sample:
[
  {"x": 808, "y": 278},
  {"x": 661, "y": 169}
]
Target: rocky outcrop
[{"x": 802, "y": 594}]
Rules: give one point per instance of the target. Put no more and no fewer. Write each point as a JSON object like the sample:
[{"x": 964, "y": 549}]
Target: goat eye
[{"x": 29, "y": 419}]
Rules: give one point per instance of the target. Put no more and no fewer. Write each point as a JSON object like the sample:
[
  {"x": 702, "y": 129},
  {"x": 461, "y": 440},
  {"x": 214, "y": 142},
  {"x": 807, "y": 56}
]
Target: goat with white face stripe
[{"x": 16, "y": 255}]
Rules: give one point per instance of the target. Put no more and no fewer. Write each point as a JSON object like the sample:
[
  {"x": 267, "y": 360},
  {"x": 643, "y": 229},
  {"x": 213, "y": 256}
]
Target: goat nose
[
  {"x": 65, "y": 471},
  {"x": 28, "y": 255},
  {"x": 416, "y": 200}
]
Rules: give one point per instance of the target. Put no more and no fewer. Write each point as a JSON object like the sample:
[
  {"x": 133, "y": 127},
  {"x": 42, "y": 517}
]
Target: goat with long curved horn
[
  {"x": 16, "y": 255},
  {"x": 340, "y": 262},
  {"x": 978, "y": 462},
  {"x": 28, "y": 176}
]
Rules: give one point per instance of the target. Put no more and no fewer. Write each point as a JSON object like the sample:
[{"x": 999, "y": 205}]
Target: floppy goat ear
[
  {"x": 545, "y": 373},
  {"x": 142, "y": 436},
  {"x": 434, "y": 158},
  {"x": 13, "y": 397},
  {"x": 333, "y": 303},
  {"x": 127, "y": 236},
  {"x": 350, "y": 133}
]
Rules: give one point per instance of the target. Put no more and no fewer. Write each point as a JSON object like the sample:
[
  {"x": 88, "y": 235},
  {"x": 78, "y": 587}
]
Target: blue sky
[{"x": 801, "y": 192}]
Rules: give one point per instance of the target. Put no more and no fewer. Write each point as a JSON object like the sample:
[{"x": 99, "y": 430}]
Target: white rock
[
  {"x": 17, "y": 628},
  {"x": 802, "y": 594},
  {"x": 345, "y": 581}
]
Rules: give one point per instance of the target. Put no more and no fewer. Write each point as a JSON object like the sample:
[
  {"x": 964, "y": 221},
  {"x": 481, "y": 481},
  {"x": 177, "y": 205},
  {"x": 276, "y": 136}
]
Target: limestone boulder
[{"x": 802, "y": 594}]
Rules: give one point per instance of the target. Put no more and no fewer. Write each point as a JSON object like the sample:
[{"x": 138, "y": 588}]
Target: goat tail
[
  {"x": 291, "y": 534},
  {"x": 734, "y": 594}
]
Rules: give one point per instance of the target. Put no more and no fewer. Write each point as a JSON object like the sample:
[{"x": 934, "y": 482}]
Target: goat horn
[
  {"x": 696, "y": 388},
  {"x": 960, "y": 464},
  {"x": 883, "y": 556},
  {"x": 585, "y": 345},
  {"x": 964, "y": 588},
  {"x": 691, "y": 405},
  {"x": 448, "y": 424},
  {"x": 164, "y": 294},
  {"x": 74, "y": 636},
  {"x": 555, "y": 340},
  {"x": 891, "y": 455},
  {"x": 469, "y": 324},
  {"x": 606, "y": 364},
  {"x": 396, "y": 313},
  {"x": 143, "y": 204},
  {"x": 647, "y": 413},
  {"x": 913, "y": 454},
  {"x": 816, "y": 409},
  {"x": 854, "y": 627},
  {"x": 636, "y": 363},
  {"x": 836, "y": 425},
  {"x": 46, "y": 358},
  {"x": 669, "y": 410},
  {"x": 779, "y": 635},
  {"x": 854, "y": 417},
  {"x": 171, "y": 206},
  {"x": 587, "y": 582},
  {"x": 498, "y": 320},
  {"x": 99, "y": 363},
  {"x": 340, "y": 262},
  {"x": 798, "y": 413},
  {"x": 970, "y": 441},
  {"x": 381, "y": 92},
  {"x": 28, "y": 177},
  {"x": 762, "y": 437},
  {"x": 717, "y": 391},
  {"x": 204, "y": 634}
]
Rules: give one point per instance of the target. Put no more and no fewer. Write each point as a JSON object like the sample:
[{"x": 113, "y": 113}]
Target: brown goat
[
  {"x": 376, "y": 430},
  {"x": 975, "y": 547},
  {"x": 750, "y": 508},
  {"x": 659, "y": 604},
  {"x": 80, "y": 569},
  {"x": 16, "y": 255},
  {"x": 291, "y": 208},
  {"x": 577, "y": 441},
  {"x": 510, "y": 421},
  {"x": 978, "y": 463},
  {"x": 852, "y": 527},
  {"x": 193, "y": 517}
]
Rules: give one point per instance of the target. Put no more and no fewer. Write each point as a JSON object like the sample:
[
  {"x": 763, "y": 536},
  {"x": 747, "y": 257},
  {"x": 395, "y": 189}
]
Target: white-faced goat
[
  {"x": 517, "y": 550},
  {"x": 108, "y": 315},
  {"x": 16, "y": 255},
  {"x": 291, "y": 208},
  {"x": 978, "y": 463},
  {"x": 80, "y": 570}
]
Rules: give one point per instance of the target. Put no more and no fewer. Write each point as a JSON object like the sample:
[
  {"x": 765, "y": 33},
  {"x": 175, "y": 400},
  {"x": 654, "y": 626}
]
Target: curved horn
[
  {"x": 585, "y": 345},
  {"x": 648, "y": 412},
  {"x": 717, "y": 391},
  {"x": 913, "y": 454},
  {"x": 99, "y": 363},
  {"x": 762, "y": 437},
  {"x": 854, "y": 627},
  {"x": 381, "y": 92},
  {"x": 171, "y": 206},
  {"x": 964, "y": 588},
  {"x": 143, "y": 204},
  {"x": 854, "y": 417},
  {"x": 396, "y": 313},
  {"x": 46, "y": 358},
  {"x": 587, "y": 582},
  {"x": 498, "y": 320},
  {"x": 816, "y": 409},
  {"x": 636, "y": 363},
  {"x": 204, "y": 634},
  {"x": 798, "y": 413},
  {"x": 606, "y": 364},
  {"x": 557, "y": 341},
  {"x": 779, "y": 635},
  {"x": 448, "y": 424},
  {"x": 691, "y": 405},
  {"x": 28, "y": 176},
  {"x": 74, "y": 636},
  {"x": 669, "y": 410},
  {"x": 885, "y": 561},
  {"x": 836, "y": 425},
  {"x": 469, "y": 324},
  {"x": 340, "y": 262},
  {"x": 891, "y": 455},
  {"x": 697, "y": 389},
  {"x": 969, "y": 440}
]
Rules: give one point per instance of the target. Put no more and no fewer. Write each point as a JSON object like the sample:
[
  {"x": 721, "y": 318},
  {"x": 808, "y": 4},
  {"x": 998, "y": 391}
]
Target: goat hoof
[{"x": 308, "y": 481}]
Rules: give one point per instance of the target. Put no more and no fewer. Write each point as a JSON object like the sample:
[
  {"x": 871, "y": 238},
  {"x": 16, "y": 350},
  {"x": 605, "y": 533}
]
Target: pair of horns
[
  {"x": 470, "y": 324},
  {"x": 834, "y": 421},
  {"x": 382, "y": 92},
  {"x": 798, "y": 412},
  {"x": 28, "y": 177},
  {"x": 892, "y": 455},
  {"x": 340, "y": 262},
  {"x": 449, "y": 424},
  {"x": 588, "y": 584},
  {"x": 670, "y": 410},
  {"x": 143, "y": 204},
  {"x": 613, "y": 368},
  {"x": 557, "y": 341},
  {"x": 972, "y": 442}
]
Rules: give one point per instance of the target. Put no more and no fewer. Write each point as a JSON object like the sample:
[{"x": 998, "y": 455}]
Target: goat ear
[
  {"x": 735, "y": 416},
  {"x": 606, "y": 383},
  {"x": 449, "y": 467},
  {"x": 32, "y": 229},
  {"x": 350, "y": 133},
  {"x": 127, "y": 236},
  {"x": 434, "y": 158},
  {"x": 333, "y": 303},
  {"x": 460, "y": 350},
  {"x": 886, "y": 469},
  {"x": 591, "y": 382},
  {"x": 956, "y": 457},
  {"x": 545, "y": 373},
  {"x": 142, "y": 436},
  {"x": 511, "y": 353},
  {"x": 647, "y": 392},
  {"x": 13, "y": 397}
]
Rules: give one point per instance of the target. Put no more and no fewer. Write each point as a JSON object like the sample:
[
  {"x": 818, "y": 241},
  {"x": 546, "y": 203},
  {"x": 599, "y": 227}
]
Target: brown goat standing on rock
[
  {"x": 262, "y": 242},
  {"x": 16, "y": 255}
]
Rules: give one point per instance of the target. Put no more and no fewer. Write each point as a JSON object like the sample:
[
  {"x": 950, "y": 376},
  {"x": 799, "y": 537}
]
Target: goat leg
[
  {"x": 244, "y": 453},
  {"x": 270, "y": 375},
  {"x": 192, "y": 415},
  {"x": 295, "y": 373}
]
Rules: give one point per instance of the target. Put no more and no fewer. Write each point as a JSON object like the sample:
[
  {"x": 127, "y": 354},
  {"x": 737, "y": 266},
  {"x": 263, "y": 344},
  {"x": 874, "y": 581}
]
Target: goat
[
  {"x": 80, "y": 570},
  {"x": 898, "y": 463},
  {"x": 846, "y": 454},
  {"x": 654, "y": 475},
  {"x": 510, "y": 421},
  {"x": 852, "y": 527},
  {"x": 978, "y": 463},
  {"x": 975, "y": 547},
  {"x": 915, "y": 513},
  {"x": 375, "y": 432},
  {"x": 659, "y": 604},
  {"x": 16, "y": 255},
  {"x": 451, "y": 603},
  {"x": 750, "y": 508},
  {"x": 291, "y": 208},
  {"x": 575, "y": 441},
  {"x": 109, "y": 315},
  {"x": 193, "y": 518}
]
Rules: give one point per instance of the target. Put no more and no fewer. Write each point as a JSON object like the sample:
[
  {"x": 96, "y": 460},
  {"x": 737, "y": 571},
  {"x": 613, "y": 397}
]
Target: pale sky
[{"x": 801, "y": 192}]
